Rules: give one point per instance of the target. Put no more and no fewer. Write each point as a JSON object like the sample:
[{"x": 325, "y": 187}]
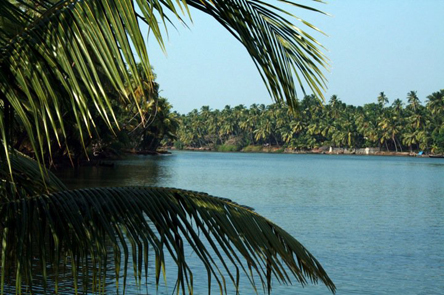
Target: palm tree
[
  {"x": 250, "y": 124},
  {"x": 413, "y": 100},
  {"x": 61, "y": 56},
  {"x": 435, "y": 106},
  {"x": 410, "y": 137},
  {"x": 382, "y": 99},
  {"x": 435, "y": 102}
]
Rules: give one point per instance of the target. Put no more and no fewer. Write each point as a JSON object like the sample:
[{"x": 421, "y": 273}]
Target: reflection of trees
[{"x": 135, "y": 170}]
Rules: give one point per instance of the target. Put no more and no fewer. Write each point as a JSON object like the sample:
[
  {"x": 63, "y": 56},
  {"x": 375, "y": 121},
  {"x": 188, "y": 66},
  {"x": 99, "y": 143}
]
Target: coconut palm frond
[
  {"x": 70, "y": 55},
  {"x": 86, "y": 225},
  {"x": 281, "y": 51},
  {"x": 26, "y": 179}
]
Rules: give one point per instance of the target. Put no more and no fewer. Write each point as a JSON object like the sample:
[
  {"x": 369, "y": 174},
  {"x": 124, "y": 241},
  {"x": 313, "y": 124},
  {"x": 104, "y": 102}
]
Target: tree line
[{"x": 398, "y": 127}]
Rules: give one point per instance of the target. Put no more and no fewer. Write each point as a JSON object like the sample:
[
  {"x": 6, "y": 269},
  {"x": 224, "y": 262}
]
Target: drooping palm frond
[
  {"x": 82, "y": 224},
  {"x": 62, "y": 56},
  {"x": 283, "y": 52},
  {"x": 29, "y": 178}
]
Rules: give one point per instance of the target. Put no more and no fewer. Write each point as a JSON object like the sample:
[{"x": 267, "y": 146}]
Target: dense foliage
[
  {"x": 130, "y": 134},
  {"x": 391, "y": 127}
]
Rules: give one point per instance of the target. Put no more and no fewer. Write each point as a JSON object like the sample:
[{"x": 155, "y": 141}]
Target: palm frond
[
  {"x": 26, "y": 179},
  {"x": 82, "y": 224},
  {"x": 63, "y": 56},
  {"x": 282, "y": 52}
]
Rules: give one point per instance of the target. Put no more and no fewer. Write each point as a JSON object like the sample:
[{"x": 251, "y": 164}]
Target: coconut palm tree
[
  {"x": 413, "y": 100},
  {"x": 60, "y": 57},
  {"x": 382, "y": 99},
  {"x": 435, "y": 106},
  {"x": 435, "y": 102}
]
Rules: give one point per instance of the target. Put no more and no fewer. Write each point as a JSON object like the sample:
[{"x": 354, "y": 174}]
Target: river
[{"x": 376, "y": 224}]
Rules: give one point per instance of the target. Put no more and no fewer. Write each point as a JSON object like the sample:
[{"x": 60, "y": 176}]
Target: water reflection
[{"x": 132, "y": 171}]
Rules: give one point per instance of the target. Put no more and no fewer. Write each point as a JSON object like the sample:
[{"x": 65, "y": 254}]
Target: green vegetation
[
  {"x": 392, "y": 127},
  {"x": 252, "y": 148},
  {"x": 228, "y": 148},
  {"x": 68, "y": 74},
  {"x": 130, "y": 134}
]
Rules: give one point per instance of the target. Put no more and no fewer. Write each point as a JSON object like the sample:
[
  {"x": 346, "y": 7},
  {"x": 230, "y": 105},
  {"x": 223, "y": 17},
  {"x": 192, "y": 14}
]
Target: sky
[{"x": 394, "y": 46}]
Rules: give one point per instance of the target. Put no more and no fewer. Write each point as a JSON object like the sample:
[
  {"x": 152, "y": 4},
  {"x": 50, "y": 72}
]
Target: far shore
[{"x": 320, "y": 151}]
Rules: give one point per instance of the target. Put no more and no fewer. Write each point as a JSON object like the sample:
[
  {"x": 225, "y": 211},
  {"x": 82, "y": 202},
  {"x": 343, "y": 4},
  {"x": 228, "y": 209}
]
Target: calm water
[{"x": 375, "y": 223}]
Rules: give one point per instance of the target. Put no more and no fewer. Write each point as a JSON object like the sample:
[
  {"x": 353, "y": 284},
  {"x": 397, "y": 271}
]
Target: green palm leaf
[
  {"x": 29, "y": 178},
  {"x": 130, "y": 220},
  {"x": 281, "y": 51},
  {"x": 60, "y": 57}
]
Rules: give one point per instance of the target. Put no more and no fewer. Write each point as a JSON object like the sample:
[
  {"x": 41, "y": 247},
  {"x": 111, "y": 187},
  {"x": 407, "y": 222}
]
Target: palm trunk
[
  {"x": 277, "y": 142},
  {"x": 394, "y": 142}
]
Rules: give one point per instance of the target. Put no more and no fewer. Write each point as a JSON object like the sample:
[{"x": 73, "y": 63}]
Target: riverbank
[{"x": 322, "y": 150}]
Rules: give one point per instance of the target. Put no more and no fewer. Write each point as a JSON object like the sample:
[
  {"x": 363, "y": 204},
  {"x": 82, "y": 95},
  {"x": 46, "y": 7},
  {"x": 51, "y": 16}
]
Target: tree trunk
[
  {"x": 394, "y": 142},
  {"x": 275, "y": 139}
]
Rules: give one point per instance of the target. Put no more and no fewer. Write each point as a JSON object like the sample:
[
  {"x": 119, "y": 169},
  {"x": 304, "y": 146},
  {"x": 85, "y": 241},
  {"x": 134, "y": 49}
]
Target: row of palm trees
[{"x": 393, "y": 127}]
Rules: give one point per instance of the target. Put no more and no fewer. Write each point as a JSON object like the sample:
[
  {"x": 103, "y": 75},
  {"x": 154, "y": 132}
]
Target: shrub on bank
[
  {"x": 179, "y": 145},
  {"x": 280, "y": 150},
  {"x": 228, "y": 148},
  {"x": 252, "y": 149}
]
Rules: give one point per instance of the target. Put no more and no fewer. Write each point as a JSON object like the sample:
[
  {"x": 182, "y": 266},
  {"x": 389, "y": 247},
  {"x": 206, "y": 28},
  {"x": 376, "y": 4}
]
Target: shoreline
[{"x": 318, "y": 151}]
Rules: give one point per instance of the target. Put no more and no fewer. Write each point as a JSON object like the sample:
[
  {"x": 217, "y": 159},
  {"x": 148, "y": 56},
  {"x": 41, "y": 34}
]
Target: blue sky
[{"x": 393, "y": 46}]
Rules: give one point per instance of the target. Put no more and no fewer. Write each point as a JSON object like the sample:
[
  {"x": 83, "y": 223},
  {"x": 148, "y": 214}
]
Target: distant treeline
[{"x": 392, "y": 127}]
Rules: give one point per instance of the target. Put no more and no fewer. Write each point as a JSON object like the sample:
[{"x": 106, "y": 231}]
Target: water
[{"x": 375, "y": 223}]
